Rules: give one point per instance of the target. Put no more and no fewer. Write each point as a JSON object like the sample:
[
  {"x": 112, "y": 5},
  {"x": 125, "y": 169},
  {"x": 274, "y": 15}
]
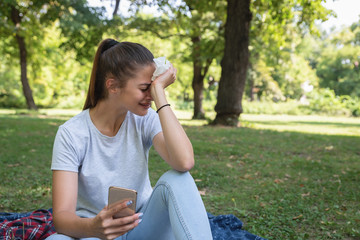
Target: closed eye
[{"x": 145, "y": 89}]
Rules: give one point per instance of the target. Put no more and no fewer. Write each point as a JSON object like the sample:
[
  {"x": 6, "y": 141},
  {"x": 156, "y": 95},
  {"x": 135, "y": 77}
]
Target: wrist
[
  {"x": 158, "y": 95},
  {"x": 91, "y": 227}
]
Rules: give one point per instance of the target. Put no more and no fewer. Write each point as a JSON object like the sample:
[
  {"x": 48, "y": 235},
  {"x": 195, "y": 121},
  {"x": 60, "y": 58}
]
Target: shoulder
[{"x": 76, "y": 126}]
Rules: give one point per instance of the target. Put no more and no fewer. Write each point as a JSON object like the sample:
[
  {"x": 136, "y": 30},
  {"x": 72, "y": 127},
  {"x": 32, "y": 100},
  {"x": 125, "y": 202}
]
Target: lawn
[{"x": 285, "y": 177}]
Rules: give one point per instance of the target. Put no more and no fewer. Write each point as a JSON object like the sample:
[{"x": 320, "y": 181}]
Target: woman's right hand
[{"x": 107, "y": 227}]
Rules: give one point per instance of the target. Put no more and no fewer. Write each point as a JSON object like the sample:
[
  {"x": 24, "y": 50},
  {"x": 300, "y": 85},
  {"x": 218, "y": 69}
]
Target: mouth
[{"x": 145, "y": 105}]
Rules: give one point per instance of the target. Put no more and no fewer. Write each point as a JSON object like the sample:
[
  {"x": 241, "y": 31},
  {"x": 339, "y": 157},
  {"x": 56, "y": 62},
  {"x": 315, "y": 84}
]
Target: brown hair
[{"x": 118, "y": 60}]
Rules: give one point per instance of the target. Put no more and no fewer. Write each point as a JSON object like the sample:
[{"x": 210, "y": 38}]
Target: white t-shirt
[{"x": 102, "y": 161}]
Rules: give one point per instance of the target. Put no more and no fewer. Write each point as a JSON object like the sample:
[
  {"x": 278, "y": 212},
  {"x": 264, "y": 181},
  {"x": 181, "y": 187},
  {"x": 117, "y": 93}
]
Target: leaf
[
  {"x": 202, "y": 192},
  {"x": 278, "y": 181},
  {"x": 247, "y": 176},
  {"x": 297, "y": 217},
  {"x": 305, "y": 194},
  {"x": 229, "y": 165},
  {"x": 13, "y": 165},
  {"x": 329, "y": 148}
]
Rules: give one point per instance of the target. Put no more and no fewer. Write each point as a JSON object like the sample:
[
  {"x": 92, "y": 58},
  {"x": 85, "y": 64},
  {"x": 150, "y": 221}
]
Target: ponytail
[
  {"x": 118, "y": 60},
  {"x": 93, "y": 92}
]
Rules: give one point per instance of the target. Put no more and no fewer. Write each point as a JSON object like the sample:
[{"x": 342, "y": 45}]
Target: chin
[{"x": 140, "y": 113}]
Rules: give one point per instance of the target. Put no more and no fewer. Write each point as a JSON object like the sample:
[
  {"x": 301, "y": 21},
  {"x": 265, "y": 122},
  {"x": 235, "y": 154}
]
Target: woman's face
[{"x": 135, "y": 96}]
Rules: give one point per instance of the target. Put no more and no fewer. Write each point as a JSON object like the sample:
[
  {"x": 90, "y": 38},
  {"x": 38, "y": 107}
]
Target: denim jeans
[{"x": 174, "y": 211}]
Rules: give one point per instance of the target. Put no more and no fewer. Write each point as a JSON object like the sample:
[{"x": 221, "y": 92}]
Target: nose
[{"x": 148, "y": 95}]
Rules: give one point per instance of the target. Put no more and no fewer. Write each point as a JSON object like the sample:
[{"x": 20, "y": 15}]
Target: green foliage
[
  {"x": 318, "y": 102},
  {"x": 324, "y": 101},
  {"x": 296, "y": 72},
  {"x": 290, "y": 107},
  {"x": 45, "y": 27},
  {"x": 338, "y": 67},
  {"x": 57, "y": 78},
  {"x": 285, "y": 51},
  {"x": 277, "y": 67},
  {"x": 10, "y": 90}
]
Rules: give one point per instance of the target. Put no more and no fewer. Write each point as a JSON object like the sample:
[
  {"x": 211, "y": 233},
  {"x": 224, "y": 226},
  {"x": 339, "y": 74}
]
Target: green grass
[{"x": 285, "y": 177}]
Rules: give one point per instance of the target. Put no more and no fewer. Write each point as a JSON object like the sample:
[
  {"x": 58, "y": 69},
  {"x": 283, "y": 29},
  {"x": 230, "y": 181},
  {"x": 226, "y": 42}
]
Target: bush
[
  {"x": 320, "y": 101},
  {"x": 353, "y": 104},
  {"x": 290, "y": 107},
  {"x": 11, "y": 101},
  {"x": 324, "y": 101}
]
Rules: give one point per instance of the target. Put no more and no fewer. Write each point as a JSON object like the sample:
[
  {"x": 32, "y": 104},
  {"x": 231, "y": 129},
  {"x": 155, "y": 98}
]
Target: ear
[{"x": 112, "y": 85}]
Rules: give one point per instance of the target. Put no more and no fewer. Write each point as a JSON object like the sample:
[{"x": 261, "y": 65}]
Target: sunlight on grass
[
  {"x": 306, "y": 124},
  {"x": 185, "y": 118}
]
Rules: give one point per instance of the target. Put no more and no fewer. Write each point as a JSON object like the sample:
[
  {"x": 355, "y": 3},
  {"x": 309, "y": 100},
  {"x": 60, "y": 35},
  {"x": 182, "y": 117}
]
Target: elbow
[
  {"x": 186, "y": 165},
  {"x": 56, "y": 223},
  {"x": 189, "y": 166}
]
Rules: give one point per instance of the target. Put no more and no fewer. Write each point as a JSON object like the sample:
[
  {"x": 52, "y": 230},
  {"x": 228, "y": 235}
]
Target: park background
[{"x": 291, "y": 171}]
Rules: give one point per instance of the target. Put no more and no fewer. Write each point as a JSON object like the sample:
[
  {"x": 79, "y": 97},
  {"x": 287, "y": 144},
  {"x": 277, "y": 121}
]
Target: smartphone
[{"x": 118, "y": 194}]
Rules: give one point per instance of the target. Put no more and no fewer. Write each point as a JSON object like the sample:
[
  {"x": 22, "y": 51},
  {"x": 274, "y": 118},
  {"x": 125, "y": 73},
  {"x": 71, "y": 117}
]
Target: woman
[{"x": 107, "y": 144}]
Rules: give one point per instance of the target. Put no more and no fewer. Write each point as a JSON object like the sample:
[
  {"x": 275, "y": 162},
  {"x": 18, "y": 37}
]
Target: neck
[{"x": 106, "y": 118}]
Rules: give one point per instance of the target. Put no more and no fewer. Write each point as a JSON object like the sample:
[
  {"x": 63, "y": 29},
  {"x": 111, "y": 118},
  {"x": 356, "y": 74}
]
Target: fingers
[
  {"x": 116, "y": 207},
  {"x": 122, "y": 225},
  {"x": 110, "y": 228},
  {"x": 174, "y": 74},
  {"x": 168, "y": 77},
  {"x": 128, "y": 220}
]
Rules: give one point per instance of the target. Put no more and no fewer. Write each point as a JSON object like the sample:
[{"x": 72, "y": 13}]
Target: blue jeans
[{"x": 174, "y": 211}]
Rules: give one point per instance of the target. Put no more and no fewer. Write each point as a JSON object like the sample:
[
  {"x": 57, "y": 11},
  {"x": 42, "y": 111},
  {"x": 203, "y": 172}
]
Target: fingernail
[
  {"x": 129, "y": 203},
  {"x": 140, "y": 215},
  {"x": 139, "y": 221}
]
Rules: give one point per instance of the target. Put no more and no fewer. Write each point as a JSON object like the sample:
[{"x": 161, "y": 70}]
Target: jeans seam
[{"x": 178, "y": 212}]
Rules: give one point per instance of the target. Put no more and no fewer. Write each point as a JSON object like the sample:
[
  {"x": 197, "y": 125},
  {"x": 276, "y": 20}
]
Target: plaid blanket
[{"x": 35, "y": 225}]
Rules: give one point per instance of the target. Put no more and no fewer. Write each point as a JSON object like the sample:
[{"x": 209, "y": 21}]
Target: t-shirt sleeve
[
  {"x": 152, "y": 127},
  {"x": 65, "y": 157}
]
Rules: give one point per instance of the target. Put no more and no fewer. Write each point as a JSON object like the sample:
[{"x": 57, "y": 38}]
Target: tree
[
  {"x": 234, "y": 63},
  {"x": 274, "y": 23},
  {"x": 338, "y": 66},
  {"x": 277, "y": 28},
  {"x": 205, "y": 46},
  {"x": 25, "y": 19},
  {"x": 11, "y": 12},
  {"x": 200, "y": 23}
]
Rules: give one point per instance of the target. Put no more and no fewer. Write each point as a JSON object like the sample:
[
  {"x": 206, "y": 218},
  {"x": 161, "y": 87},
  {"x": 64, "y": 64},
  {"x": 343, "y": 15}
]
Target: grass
[{"x": 285, "y": 177}]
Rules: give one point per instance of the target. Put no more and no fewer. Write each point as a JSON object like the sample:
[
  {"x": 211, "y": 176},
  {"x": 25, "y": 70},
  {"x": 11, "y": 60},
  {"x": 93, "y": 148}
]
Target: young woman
[{"x": 108, "y": 143}]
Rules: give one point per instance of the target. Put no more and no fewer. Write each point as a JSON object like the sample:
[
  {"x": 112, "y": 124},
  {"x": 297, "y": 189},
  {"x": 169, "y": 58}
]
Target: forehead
[{"x": 143, "y": 75}]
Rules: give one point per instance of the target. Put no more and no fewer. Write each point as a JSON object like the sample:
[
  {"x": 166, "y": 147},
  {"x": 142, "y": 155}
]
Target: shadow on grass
[{"x": 337, "y": 124}]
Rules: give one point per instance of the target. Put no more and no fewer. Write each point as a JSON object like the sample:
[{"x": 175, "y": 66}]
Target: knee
[{"x": 173, "y": 178}]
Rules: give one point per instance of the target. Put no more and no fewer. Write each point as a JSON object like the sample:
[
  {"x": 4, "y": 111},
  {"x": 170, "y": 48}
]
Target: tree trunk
[
  {"x": 198, "y": 80},
  {"x": 234, "y": 63},
  {"x": 251, "y": 82},
  {"x": 117, "y": 3},
  {"x": 16, "y": 18}
]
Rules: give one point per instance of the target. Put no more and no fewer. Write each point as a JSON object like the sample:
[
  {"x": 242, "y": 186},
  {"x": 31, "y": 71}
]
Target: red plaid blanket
[{"x": 38, "y": 225}]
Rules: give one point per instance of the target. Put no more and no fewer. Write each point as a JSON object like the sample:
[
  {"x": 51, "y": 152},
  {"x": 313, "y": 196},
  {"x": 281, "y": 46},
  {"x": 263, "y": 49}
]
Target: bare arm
[
  {"x": 172, "y": 143},
  {"x": 67, "y": 222}
]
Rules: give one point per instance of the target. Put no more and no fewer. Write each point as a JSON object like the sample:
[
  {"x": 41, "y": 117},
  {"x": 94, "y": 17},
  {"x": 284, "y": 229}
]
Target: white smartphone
[{"x": 118, "y": 194}]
